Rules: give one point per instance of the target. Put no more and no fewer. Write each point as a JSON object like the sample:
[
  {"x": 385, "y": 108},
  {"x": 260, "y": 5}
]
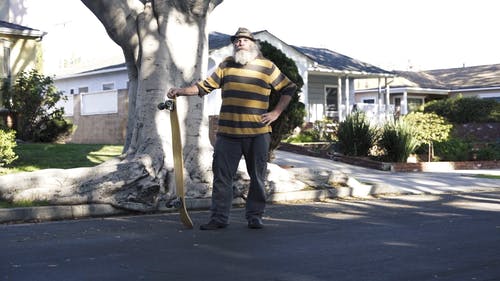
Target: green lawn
[{"x": 37, "y": 156}]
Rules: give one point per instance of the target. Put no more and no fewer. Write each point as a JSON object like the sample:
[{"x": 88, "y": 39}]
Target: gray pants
[{"x": 227, "y": 155}]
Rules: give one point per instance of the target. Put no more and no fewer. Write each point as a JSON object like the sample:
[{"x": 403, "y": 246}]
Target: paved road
[{"x": 416, "y": 237}]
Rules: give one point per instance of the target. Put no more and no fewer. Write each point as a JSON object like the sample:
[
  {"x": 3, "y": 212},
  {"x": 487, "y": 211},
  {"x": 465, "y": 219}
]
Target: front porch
[{"x": 332, "y": 96}]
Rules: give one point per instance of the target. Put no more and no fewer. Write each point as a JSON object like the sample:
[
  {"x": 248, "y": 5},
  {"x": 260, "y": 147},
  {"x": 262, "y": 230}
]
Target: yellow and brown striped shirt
[{"x": 245, "y": 94}]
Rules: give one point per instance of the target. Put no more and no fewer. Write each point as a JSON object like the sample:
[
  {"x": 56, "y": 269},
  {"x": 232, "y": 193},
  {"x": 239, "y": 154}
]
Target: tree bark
[{"x": 164, "y": 43}]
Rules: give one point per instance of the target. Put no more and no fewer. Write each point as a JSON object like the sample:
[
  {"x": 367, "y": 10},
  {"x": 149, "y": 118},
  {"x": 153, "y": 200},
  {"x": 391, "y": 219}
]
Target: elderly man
[{"x": 246, "y": 80}]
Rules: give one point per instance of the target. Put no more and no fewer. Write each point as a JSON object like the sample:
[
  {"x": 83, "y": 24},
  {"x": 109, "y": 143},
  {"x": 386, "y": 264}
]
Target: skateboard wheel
[
  {"x": 168, "y": 104},
  {"x": 175, "y": 203}
]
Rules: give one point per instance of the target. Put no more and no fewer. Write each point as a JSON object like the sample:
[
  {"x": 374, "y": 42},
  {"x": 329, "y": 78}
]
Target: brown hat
[{"x": 242, "y": 32}]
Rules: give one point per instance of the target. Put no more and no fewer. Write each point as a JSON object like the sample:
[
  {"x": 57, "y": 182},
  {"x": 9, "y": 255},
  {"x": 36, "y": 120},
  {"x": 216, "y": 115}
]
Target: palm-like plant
[
  {"x": 355, "y": 135},
  {"x": 399, "y": 140}
]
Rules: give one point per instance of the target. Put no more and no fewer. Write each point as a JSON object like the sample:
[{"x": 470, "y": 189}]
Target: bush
[
  {"x": 453, "y": 149},
  {"x": 7, "y": 145},
  {"x": 355, "y": 135},
  {"x": 462, "y": 110},
  {"x": 294, "y": 114},
  {"x": 305, "y": 136},
  {"x": 398, "y": 140},
  {"x": 489, "y": 152},
  {"x": 34, "y": 97}
]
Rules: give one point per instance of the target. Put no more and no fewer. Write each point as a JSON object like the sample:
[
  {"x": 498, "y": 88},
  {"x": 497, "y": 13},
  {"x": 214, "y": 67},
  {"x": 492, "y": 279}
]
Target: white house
[{"x": 328, "y": 76}]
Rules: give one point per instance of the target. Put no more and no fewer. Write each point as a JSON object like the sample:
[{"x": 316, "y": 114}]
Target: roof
[
  {"x": 322, "y": 58},
  {"x": 472, "y": 77},
  {"x": 9, "y": 28},
  {"x": 329, "y": 59}
]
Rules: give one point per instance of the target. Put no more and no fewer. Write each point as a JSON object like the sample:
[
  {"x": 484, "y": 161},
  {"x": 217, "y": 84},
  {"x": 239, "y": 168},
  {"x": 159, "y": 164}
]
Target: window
[
  {"x": 99, "y": 103},
  {"x": 332, "y": 103},
  {"x": 108, "y": 86},
  {"x": 5, "y": 59},
  {"x": 83, "y": 90},
  {"x": 414, "y": 103}
]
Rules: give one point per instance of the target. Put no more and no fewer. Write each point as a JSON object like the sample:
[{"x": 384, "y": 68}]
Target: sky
[{"x": 391, "y": 34}]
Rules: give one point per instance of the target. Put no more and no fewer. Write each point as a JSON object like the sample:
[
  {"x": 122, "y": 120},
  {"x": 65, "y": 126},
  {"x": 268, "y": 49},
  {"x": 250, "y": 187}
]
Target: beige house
[
  {"x": 20, "y": 50},
  {"x": 410, "y": 89}
]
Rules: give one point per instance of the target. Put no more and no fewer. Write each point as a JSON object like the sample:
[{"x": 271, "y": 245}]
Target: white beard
[{"x": 243, "y": 57}]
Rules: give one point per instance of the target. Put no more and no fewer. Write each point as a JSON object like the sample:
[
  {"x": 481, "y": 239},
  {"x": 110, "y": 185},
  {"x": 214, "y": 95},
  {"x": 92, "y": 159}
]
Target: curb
[
  {"x": 46, "y": 213},
  {"x": 52, "y": 213},
  {"x": 354, "y": 189}
]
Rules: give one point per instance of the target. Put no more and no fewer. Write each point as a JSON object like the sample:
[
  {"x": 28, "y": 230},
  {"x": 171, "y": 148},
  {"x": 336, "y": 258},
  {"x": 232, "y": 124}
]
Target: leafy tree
[
  {"x": 294, "y": 115},
  {"x": 429, "y": 128},
  {"x": 34, "y": 97}
]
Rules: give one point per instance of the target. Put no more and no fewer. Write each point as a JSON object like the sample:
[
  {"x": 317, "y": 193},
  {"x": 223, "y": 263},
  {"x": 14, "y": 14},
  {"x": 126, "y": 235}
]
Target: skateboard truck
[{"x": 168, "y": 104}]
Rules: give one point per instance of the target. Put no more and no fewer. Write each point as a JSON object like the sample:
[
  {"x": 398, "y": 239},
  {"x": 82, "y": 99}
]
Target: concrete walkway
[
  {"x": 363, "y": 182},
  {"x": 382, "y": 182}
]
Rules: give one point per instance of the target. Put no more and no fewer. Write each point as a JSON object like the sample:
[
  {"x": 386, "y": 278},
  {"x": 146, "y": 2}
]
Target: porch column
[
  {"x": 387, "y": 98},
  {"x": 347, "y": 101},
  {"x": 339, "y": 99},
  {"x": 404, "y": 103},
  {"x": 379, "y": 97}
]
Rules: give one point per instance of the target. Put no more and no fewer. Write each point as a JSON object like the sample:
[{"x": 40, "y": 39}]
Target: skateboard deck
[{"x": 179, "y": 202}]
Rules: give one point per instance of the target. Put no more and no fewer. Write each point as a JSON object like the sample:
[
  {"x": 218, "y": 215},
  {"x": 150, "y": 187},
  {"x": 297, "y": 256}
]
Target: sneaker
[
  {"x": 255, "y": 223},
  {"x": 213, "y": 225}
]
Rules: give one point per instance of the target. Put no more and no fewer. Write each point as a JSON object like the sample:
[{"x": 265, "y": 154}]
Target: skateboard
[{"x": 179, "y": 202}]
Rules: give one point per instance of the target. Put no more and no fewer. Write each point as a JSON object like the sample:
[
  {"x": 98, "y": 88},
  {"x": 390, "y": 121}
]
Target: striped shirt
[{"x": 245, "y": 94}]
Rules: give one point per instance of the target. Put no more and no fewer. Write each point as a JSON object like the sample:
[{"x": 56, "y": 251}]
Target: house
[
  {"x": 410, "y": 89},
  {"x": 328, "y": 76},
  {"x": 20, "y": 49},
  {"x": 97, "y": 104},
  {"x": 328, "y": 89}
]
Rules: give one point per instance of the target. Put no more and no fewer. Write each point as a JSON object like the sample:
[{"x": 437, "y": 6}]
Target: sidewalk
[
  {"x": 362, "y": 182},
  {"x": 385, "y": 182}
]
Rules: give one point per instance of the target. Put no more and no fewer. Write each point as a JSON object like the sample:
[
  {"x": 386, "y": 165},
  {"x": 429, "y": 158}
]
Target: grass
[
  {"x": 22, "y": 204},
  {"x": 38, "y": 156},
  {"x": 497, "y": 177}
]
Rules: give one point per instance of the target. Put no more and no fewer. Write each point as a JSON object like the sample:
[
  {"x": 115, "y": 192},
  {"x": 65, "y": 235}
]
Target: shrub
[
  {"x": 462, "y": 110},
  {"x": 355, "y": 135},
  {"x": 7, "y": 145},
  {"x": 398, "y": 140},
  {"x": 310, "y": 135},
  {"x": 34, "y": 97},
  {"x": 453, "y": 149},
  {"x": 489, "y": 152},
  {"x": 294, "y": 114}
]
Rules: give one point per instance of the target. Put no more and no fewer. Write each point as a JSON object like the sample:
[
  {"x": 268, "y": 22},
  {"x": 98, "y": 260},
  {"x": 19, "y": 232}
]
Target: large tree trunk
[{"x": 165, "y": 45}]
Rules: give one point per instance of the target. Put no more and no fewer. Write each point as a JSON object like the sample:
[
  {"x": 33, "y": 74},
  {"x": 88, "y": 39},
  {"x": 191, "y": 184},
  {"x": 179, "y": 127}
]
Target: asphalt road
[{"x": 418, "y": 237}]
